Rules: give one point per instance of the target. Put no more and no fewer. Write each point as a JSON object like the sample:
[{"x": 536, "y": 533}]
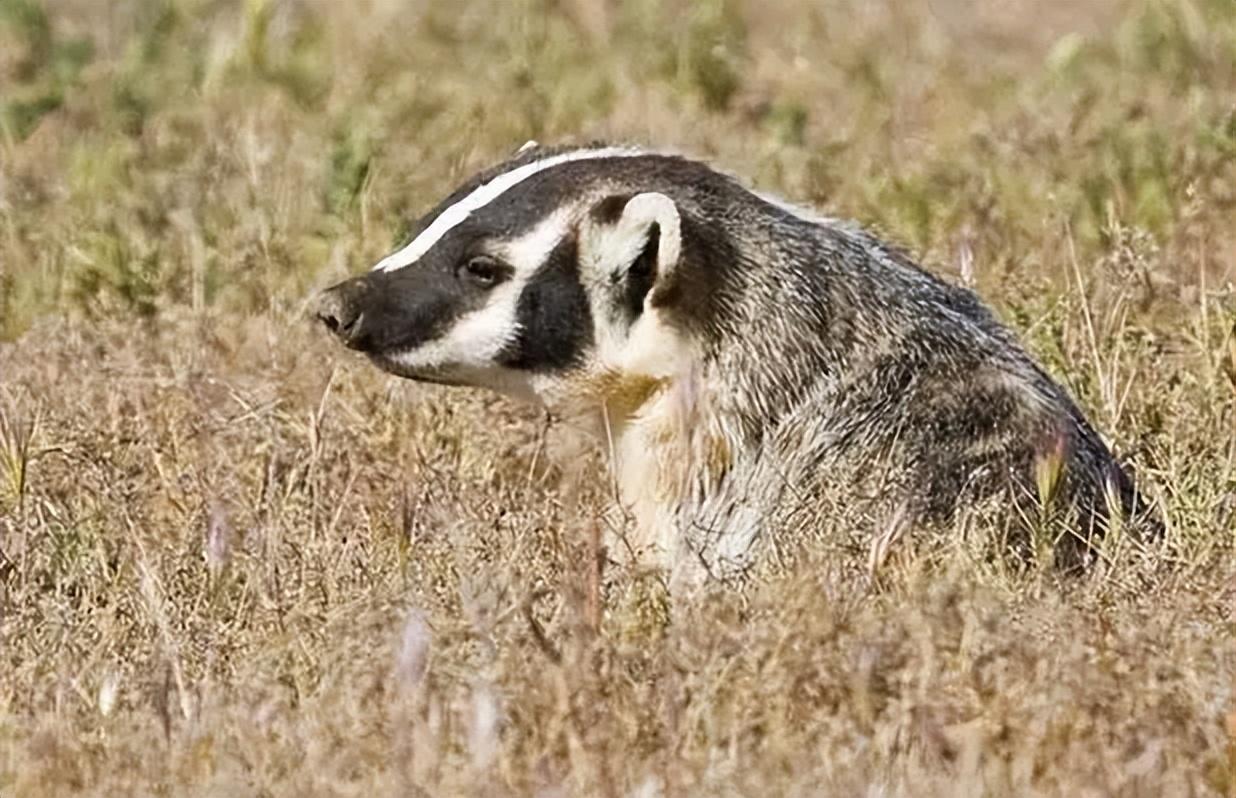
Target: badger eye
[{"x": 481, "y": 271}]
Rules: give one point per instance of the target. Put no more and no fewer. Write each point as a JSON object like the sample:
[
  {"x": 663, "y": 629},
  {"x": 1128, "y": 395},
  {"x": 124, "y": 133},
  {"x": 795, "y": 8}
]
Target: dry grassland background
[{"x": 236, "y": 561}]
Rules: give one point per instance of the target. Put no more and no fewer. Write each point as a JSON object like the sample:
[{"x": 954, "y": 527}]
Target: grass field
[{"x": 236, "y": 561}]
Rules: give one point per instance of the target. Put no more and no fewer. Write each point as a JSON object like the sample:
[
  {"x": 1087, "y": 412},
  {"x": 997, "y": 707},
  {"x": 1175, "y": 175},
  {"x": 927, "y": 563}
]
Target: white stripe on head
[{"x": 484, "y": 194}]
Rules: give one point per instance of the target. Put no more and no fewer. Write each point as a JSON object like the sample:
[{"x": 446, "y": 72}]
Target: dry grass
[{"x": 234, "y": 561}]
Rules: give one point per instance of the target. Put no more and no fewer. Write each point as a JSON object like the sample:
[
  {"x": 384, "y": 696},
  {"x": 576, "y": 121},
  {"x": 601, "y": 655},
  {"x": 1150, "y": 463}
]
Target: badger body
[{"x": 752, "y": 369}]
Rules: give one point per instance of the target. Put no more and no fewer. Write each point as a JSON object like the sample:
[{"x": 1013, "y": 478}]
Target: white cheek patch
[
  {"x": 476, "y": 339},
  {"x": 458, "y": 213},
  {"x": 599, "y": 267},
  {"x": 531, "y": 250}
]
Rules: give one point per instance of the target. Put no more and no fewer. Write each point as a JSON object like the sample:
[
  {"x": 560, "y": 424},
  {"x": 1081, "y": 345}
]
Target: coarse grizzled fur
[{"x": 751, "y": 367}]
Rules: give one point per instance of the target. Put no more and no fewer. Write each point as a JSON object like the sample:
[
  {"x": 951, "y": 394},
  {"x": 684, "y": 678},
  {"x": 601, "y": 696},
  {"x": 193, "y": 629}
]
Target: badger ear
[{"x": 646, "y": 245}]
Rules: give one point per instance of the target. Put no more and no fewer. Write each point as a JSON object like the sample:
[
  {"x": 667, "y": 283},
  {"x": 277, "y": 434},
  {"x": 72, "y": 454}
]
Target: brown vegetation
[{"x": 234, "y": 561}]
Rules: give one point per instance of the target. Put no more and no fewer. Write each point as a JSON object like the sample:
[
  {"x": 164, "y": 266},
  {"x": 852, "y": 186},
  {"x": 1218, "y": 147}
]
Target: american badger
[{"x": 756, "y": 372}]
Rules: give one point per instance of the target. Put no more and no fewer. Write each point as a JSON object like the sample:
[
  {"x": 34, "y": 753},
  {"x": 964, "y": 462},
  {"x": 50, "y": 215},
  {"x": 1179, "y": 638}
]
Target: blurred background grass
[
  {"x": 224, "y": 155},
  {"x": 234, "y": 561}
]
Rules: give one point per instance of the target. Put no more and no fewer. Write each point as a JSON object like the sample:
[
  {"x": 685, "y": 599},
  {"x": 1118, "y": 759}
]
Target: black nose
[{"x": 341, "y": 309}]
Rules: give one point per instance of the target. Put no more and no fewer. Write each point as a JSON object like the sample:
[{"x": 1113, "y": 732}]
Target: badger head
[{"x": 557, "y": 270}]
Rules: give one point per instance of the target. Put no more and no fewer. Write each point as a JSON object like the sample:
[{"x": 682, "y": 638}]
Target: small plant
[
  {"x": 1048, "y": 479},
  {"x": 45, "y": 67},
  {"x": 712, "y": 52},
  {"x": 120, "y": 276},
  {"x": 350, "y": 162},
  {"x": 17, "y": 434}
]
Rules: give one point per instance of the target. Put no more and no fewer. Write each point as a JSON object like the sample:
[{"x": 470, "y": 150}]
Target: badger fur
[{"x": 752, "y": 369}]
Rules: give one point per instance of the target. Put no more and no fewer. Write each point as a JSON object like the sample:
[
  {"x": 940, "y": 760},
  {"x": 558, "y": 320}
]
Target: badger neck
[
  {"x": 693, "y": 448},
  {"x": 682, "y": 449},
  {"x": 669, "y": 451},
  {"x": 689, "y": 410}
]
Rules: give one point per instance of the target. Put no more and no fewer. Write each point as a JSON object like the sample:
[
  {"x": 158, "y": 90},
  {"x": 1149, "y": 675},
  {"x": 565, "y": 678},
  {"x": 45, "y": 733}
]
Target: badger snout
[{"x": 342, "y": 309}]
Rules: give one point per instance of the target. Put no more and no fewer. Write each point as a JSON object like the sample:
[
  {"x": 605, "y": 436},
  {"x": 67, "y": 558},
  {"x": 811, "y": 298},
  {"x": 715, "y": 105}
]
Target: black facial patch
[
  {"x": 555, "y": 323},
  {"x": 405, "y": 308}
]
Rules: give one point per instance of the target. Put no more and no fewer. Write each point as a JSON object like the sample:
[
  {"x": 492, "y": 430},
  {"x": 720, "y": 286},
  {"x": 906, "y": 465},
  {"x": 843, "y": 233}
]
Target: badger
[{"x": 756, "y": 372}]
